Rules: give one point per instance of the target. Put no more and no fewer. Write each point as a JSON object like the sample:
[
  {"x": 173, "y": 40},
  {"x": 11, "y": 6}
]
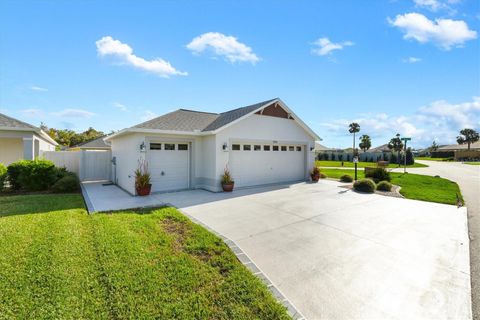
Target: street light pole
[{"x": 405, "y": 158}]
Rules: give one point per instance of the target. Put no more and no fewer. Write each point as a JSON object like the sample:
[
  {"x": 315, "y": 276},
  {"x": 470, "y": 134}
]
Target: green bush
[
  {"x": 32, "y": 175},
  {"x": 364, "y": 185},
  {"x": 3, "y": 175},
  {"x": 346, "y": 178},
  {"x": 377, "y": 174},
  {"x": 69, "y": 183},
  {"x": 384, "y": 186}
]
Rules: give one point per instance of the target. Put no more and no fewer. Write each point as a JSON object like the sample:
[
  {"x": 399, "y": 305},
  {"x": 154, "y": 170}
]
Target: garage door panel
[
  {"x": 264, "y": 167},
  {"x": 170, "y": 169}
]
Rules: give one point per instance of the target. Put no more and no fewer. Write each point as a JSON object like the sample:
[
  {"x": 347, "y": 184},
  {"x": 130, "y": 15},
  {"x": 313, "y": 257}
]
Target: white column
[{"x": 28, "y": 149}]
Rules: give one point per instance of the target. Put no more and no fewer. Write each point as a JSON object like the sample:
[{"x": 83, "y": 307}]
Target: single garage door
[
  {"x": 257, "y": 164},
  {"x": 169, "y": 165}
]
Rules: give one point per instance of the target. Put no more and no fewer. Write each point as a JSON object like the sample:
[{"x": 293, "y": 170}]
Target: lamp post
[{"x": 405, "y": 158}]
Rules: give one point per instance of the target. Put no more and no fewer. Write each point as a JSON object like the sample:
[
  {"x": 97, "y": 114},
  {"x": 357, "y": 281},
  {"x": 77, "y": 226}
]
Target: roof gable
[{"x": 9, "y": 122}]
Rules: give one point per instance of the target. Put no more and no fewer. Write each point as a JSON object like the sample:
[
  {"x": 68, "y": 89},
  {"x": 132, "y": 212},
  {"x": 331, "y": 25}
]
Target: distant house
[
  {"x": 96, "y": 144},
  {"x": 372, "y": 154},
  {"x": 20, "y": 140},
  {"x": 460, "y": 147}
]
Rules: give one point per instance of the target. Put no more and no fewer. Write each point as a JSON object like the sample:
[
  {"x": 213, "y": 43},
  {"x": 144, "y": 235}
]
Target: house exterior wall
[
  {"x": 258, "y": 128},
  {"x": 207, "y": 157},
  {"x": 11, "y": 150}
]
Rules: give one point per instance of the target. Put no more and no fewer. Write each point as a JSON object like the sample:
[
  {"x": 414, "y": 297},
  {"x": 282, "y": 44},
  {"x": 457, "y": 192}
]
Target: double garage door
[
  {"x": 256, "y": 164},
  {"x": 169, "y": 164}
]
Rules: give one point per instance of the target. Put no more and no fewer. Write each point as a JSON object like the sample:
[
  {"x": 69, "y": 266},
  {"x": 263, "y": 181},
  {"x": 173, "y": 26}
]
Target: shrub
[
  {"x": 69, "y": 183},
  {"x": 3, "y": 175},
  {"x": 384, "y": 186},
  {"x": 378, "y": 174},
  {"x": 364, "y": 185},
  {"x": 346, "y": 178},
  {"x": 32, "y": 175}
]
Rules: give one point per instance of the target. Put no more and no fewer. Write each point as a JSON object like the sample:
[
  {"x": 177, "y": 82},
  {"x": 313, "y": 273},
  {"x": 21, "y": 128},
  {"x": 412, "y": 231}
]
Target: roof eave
[
  {"x": 38, "y": 131},
  {"x": 156, "y": 131}
]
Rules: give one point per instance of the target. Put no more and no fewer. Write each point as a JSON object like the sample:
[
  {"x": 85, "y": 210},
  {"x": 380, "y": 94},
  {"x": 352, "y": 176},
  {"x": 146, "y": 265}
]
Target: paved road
[
  {"x": 468, "y": 178},
  {"x": 337, "y": 254}
]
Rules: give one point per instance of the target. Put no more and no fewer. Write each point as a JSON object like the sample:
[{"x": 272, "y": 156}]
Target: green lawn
[
  {"x": 473, "y": 163},
  {"x": 432, "y": 159},
  {"x": 348, "y": 164},
  {"x": 414, "y": 186},
  {"x": 57, "y": 262}
]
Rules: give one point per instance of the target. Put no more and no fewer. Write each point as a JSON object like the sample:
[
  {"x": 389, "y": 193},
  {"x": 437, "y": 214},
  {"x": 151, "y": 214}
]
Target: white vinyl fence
[{"x": 89, "y": 165}]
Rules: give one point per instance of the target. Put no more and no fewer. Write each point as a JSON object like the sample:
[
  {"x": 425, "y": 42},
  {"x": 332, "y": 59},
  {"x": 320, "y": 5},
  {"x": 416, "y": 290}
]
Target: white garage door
[
  {"x": 169, "y": 165},
  {"x": 256, "y": 164}
]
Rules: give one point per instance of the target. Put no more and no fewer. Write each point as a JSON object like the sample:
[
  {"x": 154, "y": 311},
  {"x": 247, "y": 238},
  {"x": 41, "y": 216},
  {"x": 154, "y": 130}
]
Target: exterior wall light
[
  {"x": 143, "y": 147},
  {"x": 225, "y": 147}
]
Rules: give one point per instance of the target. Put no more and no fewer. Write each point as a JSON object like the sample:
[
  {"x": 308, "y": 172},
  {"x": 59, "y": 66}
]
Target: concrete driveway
[{"x": 337, "y": 254}]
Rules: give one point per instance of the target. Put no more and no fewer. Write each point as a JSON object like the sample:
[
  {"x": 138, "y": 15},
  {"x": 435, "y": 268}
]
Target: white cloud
[
  {"x": 119, "y": 106},
  {"x": 222, "y": 45},
  {"x": 433, "y": 5},
  {"x": 32, "y": 112},
  {"x": 74, "y": 113},
  {"x": 39, "y": 89},
  {"x": 446, "y": 33},
  {"x": 412, "y": 60},
  {"x": 440, "y": 121},
  {"x": 107, "y": 46},
  {"x": 148, "y": 115},
  {"x": 324, "y": 46}
]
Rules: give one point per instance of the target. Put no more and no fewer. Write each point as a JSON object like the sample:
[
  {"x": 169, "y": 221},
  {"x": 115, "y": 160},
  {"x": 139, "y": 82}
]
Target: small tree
[
  {"x": 434, "y": 146},
  {"x": 365, "y": 142},
  {"x": 468, "y": 136},
  {"x": 396, "y": 144},
  {"x": 409, "y": 156}
]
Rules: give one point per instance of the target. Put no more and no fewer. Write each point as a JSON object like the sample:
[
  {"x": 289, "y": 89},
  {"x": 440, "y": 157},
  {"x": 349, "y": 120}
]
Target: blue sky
[{"x": 408, "y": 66}]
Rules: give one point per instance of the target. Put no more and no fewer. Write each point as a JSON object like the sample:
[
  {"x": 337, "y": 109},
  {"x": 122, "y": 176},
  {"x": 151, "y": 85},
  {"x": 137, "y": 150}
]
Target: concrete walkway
[{"x": 337, "y": 254}]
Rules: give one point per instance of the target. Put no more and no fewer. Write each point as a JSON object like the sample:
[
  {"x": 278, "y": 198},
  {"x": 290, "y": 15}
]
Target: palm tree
[
  {"x": 468, "y": 136},
  {"x": 397, "y": 145},
  {"x": 354, "y": 128},
  {"x": 365, "y": 142}
]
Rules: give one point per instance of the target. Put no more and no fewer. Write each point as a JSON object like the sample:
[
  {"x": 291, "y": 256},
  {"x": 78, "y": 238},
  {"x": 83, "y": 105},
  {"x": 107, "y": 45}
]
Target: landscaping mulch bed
[{"x": 395, "y": 192}]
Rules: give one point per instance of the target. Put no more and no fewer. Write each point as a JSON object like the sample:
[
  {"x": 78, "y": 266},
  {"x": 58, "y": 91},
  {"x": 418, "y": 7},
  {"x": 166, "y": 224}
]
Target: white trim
[{"x": 40, "y": 132}]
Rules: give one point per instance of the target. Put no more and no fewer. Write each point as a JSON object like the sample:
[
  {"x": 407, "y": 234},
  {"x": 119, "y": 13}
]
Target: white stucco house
[
  {"x": 261, "y": 144},
  {"x": 20, "y": 140}
]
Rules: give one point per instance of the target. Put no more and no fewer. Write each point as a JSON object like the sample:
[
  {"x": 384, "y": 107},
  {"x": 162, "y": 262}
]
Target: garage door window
[
  {"x": 169, "y": 146},
  {"x": 266, "y": 148},
  {"x": 284, "y": 148},
  {"x": 247, "y": 147},
  {"x": 183, "y": 146},
  {"x": 235, "y": 147},
  {"x": 291, "y": 148},
  {"x": 155, "y": 146},
  {"x": 299, "y": 148},
  {"x": 275, "y": 148},
  {"x": 257, "y": 147}
]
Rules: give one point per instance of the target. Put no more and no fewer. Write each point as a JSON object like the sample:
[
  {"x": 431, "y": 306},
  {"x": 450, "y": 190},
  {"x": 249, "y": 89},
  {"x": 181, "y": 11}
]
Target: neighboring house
[
  {"x": 20, "y": 140},
  {"x": 460, "y": 147},
  {"x": 374, "y": 154},
  {"x": 96, "y": 144},
  {"x": 260, "y": 144}
]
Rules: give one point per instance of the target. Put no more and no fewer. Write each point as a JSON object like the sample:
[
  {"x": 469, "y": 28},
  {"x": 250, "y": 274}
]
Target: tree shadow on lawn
[{"x": 39, "y": 203}]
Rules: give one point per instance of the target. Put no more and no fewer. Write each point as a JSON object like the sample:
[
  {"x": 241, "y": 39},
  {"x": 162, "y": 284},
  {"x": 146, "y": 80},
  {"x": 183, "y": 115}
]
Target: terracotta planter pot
[
  {"x": 228, "y": 187},
  {"x": 144, "y": 191},
  {"x": 315, "y": 177}
]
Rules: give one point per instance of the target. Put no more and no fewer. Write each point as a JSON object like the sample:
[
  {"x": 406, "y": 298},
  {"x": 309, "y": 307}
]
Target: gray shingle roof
[
  {"x": 96, "y": 143},
  {"x": 8, "y": 122},
  {"x": 189, "y": 120},
  {"x": 232, "y": 115},
  {"x": 180, "y": 120},
  {"x": 453, "y": 147}
]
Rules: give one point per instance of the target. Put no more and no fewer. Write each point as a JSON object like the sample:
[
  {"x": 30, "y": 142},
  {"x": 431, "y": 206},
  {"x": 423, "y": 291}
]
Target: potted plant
[
  {"x": 315, "y": 174},
  {"x": 142, "y": 179},
  {"x": 227, "y": 182}
]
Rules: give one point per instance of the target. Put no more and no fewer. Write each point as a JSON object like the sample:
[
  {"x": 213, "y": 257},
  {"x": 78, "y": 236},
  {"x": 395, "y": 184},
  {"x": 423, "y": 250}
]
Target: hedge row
[{"x": 38, "y": 175}]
